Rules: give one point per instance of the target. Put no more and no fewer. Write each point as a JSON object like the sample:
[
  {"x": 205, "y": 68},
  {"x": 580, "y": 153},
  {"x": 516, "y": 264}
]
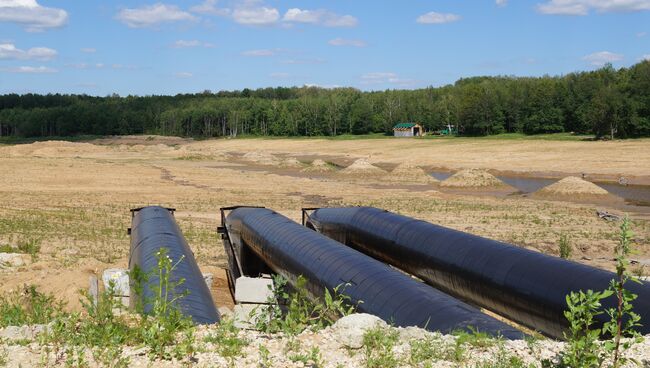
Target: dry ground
[{"x": 74, "y": 198}]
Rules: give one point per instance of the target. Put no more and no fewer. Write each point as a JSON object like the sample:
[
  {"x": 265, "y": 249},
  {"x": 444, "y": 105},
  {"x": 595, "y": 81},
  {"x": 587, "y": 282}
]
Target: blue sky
[{"x": 168, "y": 47}]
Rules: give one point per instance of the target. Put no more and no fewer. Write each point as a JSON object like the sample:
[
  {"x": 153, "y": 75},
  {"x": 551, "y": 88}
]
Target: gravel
[{"x": 337, "y": 346}]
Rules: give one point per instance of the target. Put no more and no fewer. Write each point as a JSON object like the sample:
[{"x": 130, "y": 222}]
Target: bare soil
[{"x": 73, "y": 199}]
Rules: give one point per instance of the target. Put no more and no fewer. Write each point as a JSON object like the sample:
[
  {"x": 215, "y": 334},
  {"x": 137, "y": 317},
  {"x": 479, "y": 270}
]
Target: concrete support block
[
  {"x": 253, "y": 290},
  {"x": 120, "y": 278},
  {"x": 246, "y": 315}
]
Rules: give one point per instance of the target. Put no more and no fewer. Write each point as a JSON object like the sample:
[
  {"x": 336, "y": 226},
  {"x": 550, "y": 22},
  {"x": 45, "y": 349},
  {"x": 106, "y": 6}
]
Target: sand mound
[
  {"x": 291, "y": 162},
  {"x": 48, "y": 149},
  {"x": 409, "y": 173},
  {"x": 319, "y": 165},
  {"x": 362, "y": 167},
  {"x": 473, "y": 178},
  {"x": 262, "y": 158},
  {"x": 572, "y": 186}
]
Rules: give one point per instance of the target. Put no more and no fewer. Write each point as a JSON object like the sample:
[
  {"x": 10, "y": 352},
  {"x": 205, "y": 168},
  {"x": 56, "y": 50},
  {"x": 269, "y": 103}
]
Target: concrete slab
[
  {"x": 246, "y": 315},
  {"x": 253, "y": 290},
  {"x": 120, "y": 277}
]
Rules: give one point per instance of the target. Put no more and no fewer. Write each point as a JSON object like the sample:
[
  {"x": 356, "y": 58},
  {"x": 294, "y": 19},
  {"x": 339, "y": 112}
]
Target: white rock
[
  {"x": 225, "y": 311},
  {"x": 13, "y": 259},
  {"x": 21, "y": 332},
  {"x": 208, "y": 277},
  {"x": 349, "y": 330},
  {"x": 253, "y": 290}
]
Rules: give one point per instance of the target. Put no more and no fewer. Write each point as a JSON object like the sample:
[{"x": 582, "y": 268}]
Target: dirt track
[{"x": 73, "y": 199}]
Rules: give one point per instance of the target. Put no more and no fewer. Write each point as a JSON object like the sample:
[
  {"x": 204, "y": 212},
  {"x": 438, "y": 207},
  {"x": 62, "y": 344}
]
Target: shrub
[
  {"x": 302, "y": 311},
  {"x": 565, "y": 246}
]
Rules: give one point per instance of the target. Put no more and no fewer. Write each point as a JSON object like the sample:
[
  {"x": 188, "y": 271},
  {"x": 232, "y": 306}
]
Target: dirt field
[{"x": 73, "y": 199}]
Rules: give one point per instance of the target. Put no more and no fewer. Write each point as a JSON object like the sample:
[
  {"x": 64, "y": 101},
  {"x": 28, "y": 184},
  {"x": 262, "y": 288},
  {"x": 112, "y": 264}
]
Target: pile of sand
[
  {"x": 291, "y": 162},
  {"x": 409, "y": 173},
  {"x": 362, "y": 167},
  {"x": 262, "y": 158},
  {"x": 572, "y": 187},
  {"x": 48, "y": 149},
  {"x": 473, "y": 178},
  {"x": 319, "y": 165}
]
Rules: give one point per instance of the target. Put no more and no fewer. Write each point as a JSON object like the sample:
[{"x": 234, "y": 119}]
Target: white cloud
[
  {"x": 210, "y": 7},
  {"x": 502, "y": 2},
  {"x": 386, "y": 78},
  {"x": 184, "y": 75},
  {"x": 437, "y": 18},
  {"x": 31, "y": 15},
  {"x": 583, "y": 7},
  {"x": 122, "y": 66},
  {"x": 251, "y": 14},
  {"x": 190, "y": 43},
  {"x": 89, "y": 50},
  {"x": 642, "y": 34},
  {"x": 85, "y": 66},
  {"x": 260, "y": 53},
  {"x": 153, "y": 15},
  {"x": 601, "y": 58},
  {"x": 319, "y": 17},
  {"x": 302, "y": 61},
  {"x": 645, "y": 57},
  {"x": 10, "y": 51},
  {"x": 29, "y": 70},
  {"x": 347, "y": 42}
]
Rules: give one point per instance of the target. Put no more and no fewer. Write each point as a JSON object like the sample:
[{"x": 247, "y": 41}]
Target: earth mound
[
  {"x": 319, "y": 165},
  {"x": 291, "y": 162},
  {"x": 473, "y": 178},
  {"x": 572, "y": 186},
  {"x": 49, "y": 149},
  {"x": 362, "y": 167},
  {"x": 410, "y": 173},
  {"x": 262, "y": 158}
]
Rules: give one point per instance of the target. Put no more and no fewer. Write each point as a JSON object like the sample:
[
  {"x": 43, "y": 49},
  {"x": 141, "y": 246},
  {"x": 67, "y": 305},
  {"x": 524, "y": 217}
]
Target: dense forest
[{"x": 605, "y": 102}]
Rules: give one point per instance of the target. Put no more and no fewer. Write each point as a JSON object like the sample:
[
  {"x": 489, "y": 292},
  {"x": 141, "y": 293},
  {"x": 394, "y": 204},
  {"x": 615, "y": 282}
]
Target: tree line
[{"x": 606, "y": 102}]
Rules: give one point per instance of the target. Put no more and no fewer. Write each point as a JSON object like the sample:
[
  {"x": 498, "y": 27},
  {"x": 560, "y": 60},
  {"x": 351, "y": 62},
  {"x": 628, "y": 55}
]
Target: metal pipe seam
[
  {"x": 152, "y": 229},
  {"x": 292, "y": 250},
  {"x": 522, "y": 285}
]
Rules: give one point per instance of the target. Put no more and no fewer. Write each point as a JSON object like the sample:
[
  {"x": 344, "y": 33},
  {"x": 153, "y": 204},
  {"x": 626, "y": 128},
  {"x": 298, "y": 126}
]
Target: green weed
[
  {"x": 28, "y": 306},
  {"x": 227, "y": 341},
  {"x": 302, "y": 311},
  {"x": 378, "y": 345},
  {"x": 565, "y": 246}
]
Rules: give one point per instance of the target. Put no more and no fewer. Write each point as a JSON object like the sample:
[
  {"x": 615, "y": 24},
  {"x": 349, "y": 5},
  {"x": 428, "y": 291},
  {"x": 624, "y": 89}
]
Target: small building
[{"x": 408, "y": 130}]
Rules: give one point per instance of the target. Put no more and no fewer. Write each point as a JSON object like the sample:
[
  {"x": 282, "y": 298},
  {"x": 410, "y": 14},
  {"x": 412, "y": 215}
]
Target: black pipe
[
  {"x": 154, "y": 228},
  {"x": 522, "y": 285},
  {"x": 292, "y": 250}
]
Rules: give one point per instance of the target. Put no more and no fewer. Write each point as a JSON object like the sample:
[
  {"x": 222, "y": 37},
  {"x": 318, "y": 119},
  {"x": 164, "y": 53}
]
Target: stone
[
  {"x": 120, "y": 277},
  {"x": 225, "y": 312},
  {"x": 253, "y": 290},
  {"x": 13, "y": 259},
  {"x": 349, "y": 330},
  {"x": 21, "y": 332},
  {"x": 208, "y": 277}
]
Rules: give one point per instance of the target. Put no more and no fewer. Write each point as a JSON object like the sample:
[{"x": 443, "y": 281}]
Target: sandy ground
[{"x": 73, "y": 199}]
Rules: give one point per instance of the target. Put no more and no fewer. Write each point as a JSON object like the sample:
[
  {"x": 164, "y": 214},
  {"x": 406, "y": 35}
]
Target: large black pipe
[
  {"x": 152, "y": 229},
  {"x": 525, "y": 286},
  {"x": 292, "y": 250}
]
